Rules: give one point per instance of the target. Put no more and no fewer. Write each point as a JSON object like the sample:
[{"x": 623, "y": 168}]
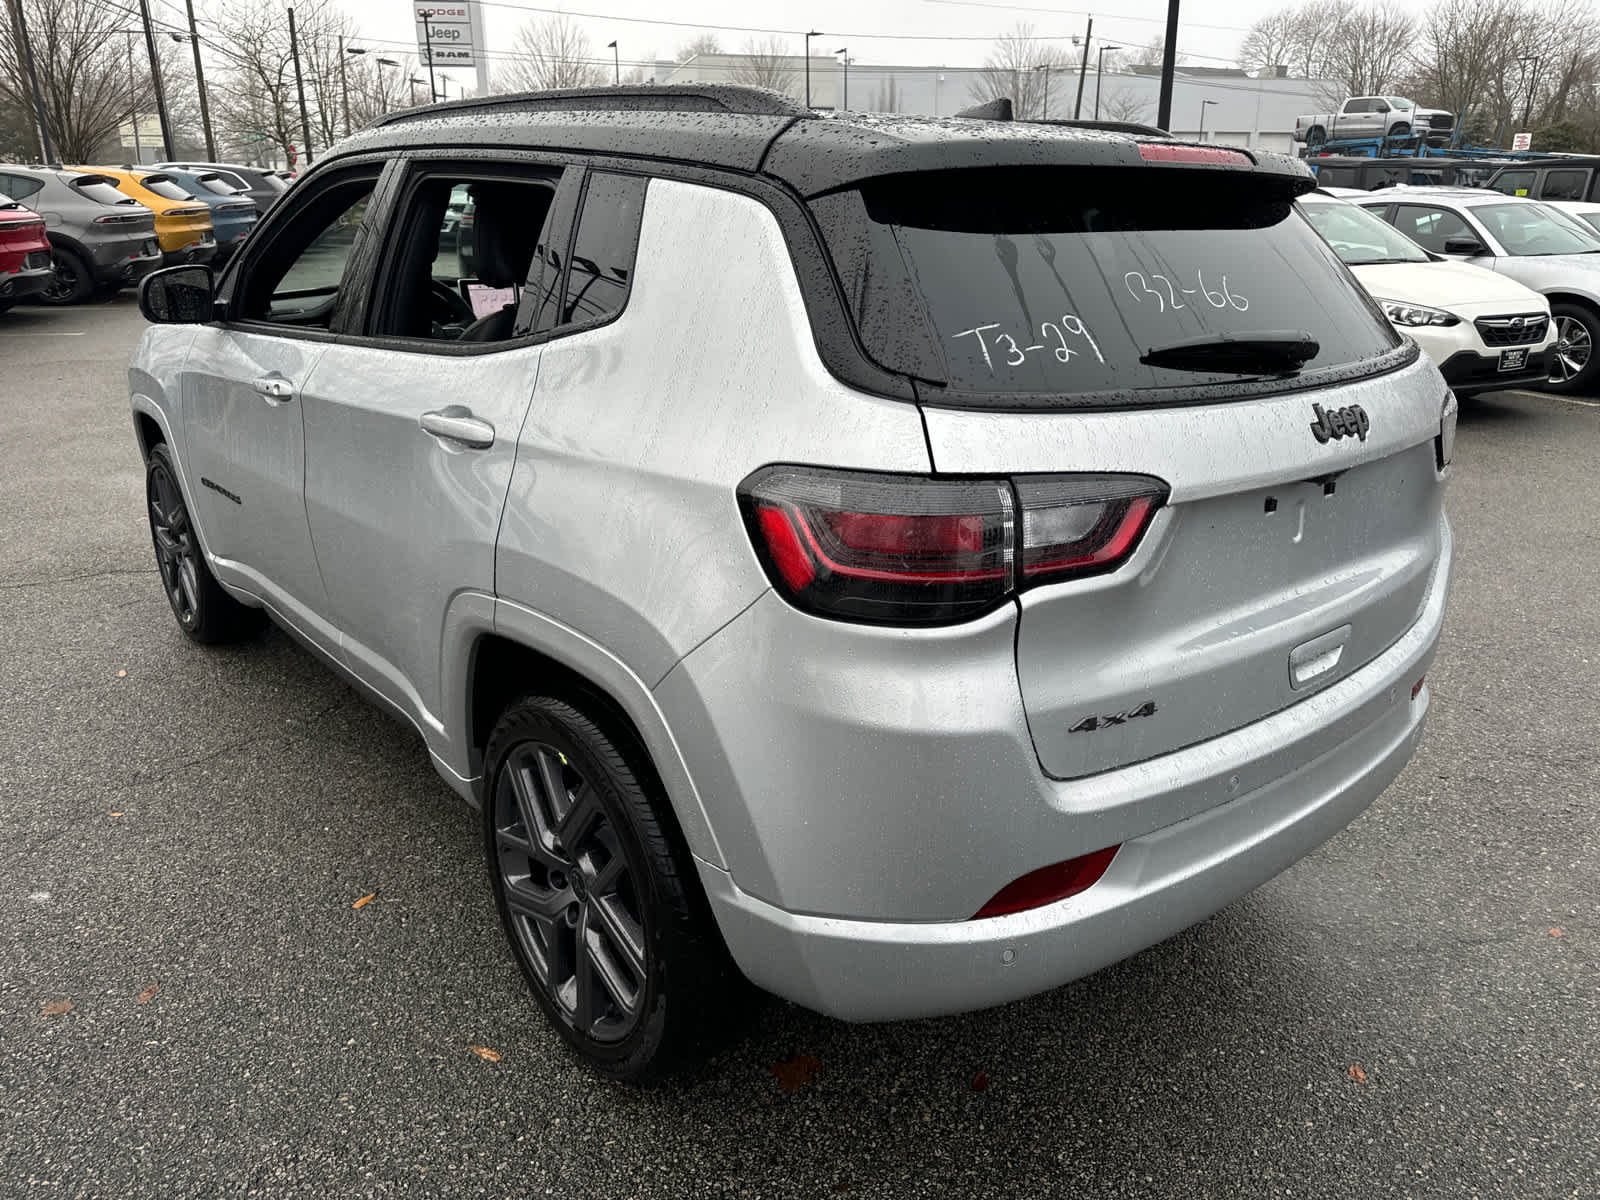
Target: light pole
[
  {"x": 344, "y": 82},
  {"x": 1169, "y": 64},
  {"x": 809, "y": 36},
  {"x": 167, "y": 146},
  {"x": 299, "y": 83},
  {"x": 616, "y": 64},
  {"x": 444, "y": 87},
  {"x": 1204, "y": 104},
  {"x": 1044, "y": 114},
  {"x": 415, "y": 80},
  {"x": 1083, "y": 69},
  {"x": 844, "y": 57},
  {"x": 200, "y": 83},
  {"x": 46, "y": 150},
  {"x": 383, "y": 84},
  {"x": 1099, "y": 70}
]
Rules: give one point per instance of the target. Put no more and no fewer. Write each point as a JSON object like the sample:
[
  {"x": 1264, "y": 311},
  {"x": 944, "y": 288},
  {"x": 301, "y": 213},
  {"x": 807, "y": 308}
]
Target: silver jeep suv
[{"x": 908, "y": 564}]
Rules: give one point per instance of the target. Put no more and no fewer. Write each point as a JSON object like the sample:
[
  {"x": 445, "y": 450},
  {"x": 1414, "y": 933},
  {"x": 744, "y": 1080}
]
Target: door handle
[
  {"x": 274, "y": 389},
  {"x": 456, "y": 423}
]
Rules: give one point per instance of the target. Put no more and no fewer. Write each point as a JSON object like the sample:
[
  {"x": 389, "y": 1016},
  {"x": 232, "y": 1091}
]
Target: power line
[{"x": 1063, "y": 12}]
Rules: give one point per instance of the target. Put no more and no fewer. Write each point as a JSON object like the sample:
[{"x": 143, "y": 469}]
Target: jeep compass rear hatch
[{"x": 1171, "y": 322}]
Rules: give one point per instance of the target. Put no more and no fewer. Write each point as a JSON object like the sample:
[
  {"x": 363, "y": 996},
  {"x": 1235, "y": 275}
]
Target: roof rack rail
[{"x": 669, "y": 97}]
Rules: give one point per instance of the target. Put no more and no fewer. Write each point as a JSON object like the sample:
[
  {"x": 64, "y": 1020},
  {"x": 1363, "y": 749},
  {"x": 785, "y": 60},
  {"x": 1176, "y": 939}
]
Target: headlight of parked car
[{"x": 1402, "y": 313}]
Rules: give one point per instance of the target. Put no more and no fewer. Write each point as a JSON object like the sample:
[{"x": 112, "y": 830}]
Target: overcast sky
[{"x": 949, "y": 32}]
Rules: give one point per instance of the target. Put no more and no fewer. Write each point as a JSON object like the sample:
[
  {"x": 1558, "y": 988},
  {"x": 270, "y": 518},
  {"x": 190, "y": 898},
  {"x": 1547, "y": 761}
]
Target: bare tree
[
  {"x": 766, "y": 63},
  {"x": 1026, "y": 69},
  {"x": 706, "y": 43},
  {"x": 1272, "y": 42},
  {"x": 551, "y": 52},
  {"x": 1125, "y": 104},
  {"x": 80, "y": 52},
  {"x": 1152, "y": 53},
  {"x": 1368, "y": 50}
]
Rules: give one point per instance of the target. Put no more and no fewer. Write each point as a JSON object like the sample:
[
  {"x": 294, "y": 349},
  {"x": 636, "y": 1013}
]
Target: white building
[{"x": 1237, "y": 110}]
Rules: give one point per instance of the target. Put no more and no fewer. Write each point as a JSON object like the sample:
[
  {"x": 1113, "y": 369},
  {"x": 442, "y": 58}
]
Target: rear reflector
[
  {"x": 1049, "y": 884},
  {"x": 1416, "y": 688},
  {"x": 1173, "y": 152},
  {"x": 910, "y": 550}
]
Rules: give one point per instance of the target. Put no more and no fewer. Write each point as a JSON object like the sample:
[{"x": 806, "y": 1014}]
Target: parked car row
[
  {"x": 105, "y": 228},
  {"x": 1500, "y": 291}
]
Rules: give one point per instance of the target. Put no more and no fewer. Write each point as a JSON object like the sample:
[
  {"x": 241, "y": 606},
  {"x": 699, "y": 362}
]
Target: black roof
[
  {"x": 1565, "y": 160},
  {"x": 753, "y": 131}
]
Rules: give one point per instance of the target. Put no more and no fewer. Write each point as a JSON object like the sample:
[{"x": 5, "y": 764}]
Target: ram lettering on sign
[{"x": 447, "y": 34}]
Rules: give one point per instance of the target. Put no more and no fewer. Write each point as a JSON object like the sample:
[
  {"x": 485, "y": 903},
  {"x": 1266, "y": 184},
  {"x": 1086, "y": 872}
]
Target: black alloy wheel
[
  {"x": 594, "y": 892},
  {"x": 205, "y": 612},
  {"x": 70, "y": 282}
]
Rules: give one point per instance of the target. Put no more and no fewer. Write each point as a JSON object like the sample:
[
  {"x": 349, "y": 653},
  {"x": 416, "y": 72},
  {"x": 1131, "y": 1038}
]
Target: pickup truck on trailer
[{"x": 1371, "y": 117}]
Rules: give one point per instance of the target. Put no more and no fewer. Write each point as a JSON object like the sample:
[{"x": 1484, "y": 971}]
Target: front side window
[
  {"x": 1527, "y": 230},
  {"x": 296, "y": 278},
  {"x": 604, "y": 248},
  {"x": 1431, "y": 228},
  {"x": 1564, "y": 185},
  {"x": 1514, "y": 183},
  {"x": 463, "y": 250}
]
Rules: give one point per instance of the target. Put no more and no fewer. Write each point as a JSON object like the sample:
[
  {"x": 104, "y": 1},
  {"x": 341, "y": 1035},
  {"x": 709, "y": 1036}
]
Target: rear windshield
[
  {"x": 213, "y": 183},
  {"x": 1058, "y": 281},
  {"x": 98, "y": 189},
  {"x": 163, "y": 186}
]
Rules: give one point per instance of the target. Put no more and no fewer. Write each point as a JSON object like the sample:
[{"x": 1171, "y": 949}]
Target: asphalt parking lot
[{"x": 1414, "y": 1011}]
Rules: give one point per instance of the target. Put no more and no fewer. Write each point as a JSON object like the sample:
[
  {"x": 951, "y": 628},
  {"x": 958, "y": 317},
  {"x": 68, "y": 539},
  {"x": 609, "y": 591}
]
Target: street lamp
[
  {"x": 844, "y": 57},
  {"x": 344, "y": 82},
  {"x": 415, "y": 80},
  {"x": 1044, "y": 115},
  {"x": 1204, "y": 104},
  {"x": 383, "y": 84},
  {"x": 616, "y": 64},
  {"x": 1099, "y": 70},
  {"x": 809, "y": 36}
]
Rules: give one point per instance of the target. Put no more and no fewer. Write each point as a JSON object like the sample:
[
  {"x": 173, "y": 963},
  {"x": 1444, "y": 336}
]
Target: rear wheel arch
[{"x": 149, "y": 432}]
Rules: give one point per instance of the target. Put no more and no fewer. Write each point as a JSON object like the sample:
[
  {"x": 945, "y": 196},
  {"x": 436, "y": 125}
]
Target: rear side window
[
  {"x": 604, "y": 248},
  {"x": 1563, "y": 185},
  {"x": 20, "y": 187},
  {"x": 1514, "y": 183},
  {"x": 1068, "y": 281}
]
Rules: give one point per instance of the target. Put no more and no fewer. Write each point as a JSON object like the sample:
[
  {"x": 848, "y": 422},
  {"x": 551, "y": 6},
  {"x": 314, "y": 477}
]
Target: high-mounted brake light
[
  {"x": 1049, "y": 884},
  {"x": 1174, "y": 152},
  {"x": 909, "y": 550}
]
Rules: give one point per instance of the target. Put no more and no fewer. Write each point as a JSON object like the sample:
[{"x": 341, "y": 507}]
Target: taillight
[
  {"x": 910, "y": 550},
  {"x": 118, "y": 219},
  {"x": 1444, "y": 445},
  {"x": 1049, "y": 884}
]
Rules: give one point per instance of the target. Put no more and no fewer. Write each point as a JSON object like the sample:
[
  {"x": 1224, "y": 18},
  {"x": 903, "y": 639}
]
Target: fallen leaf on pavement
[
  {"x": 484, "y": 1052},
  {"x": 797, "y": 1072},
  {"x": 122, "y": 674},
  {"x": 116, "y": 814},
  {"x": 1357, "y": 1073},
  {"x": 365, "y": 900},
  {"x": 56, "y": 1008},
  {"x": 1555, "y": 931},
  {"x": 149, "y": 993},
  {"x": 980, "y": 1081}
]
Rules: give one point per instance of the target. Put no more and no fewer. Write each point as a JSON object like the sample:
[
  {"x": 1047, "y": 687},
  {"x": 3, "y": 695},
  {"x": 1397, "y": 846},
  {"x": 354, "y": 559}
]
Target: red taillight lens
[
  {"x": 1176, "y": 152},
  {"x": 1049, "y": 884},
  {"x": 909, "y": 550},
  {"x": 887, "y": 548},
  {"x": 1075, "y": 524}
]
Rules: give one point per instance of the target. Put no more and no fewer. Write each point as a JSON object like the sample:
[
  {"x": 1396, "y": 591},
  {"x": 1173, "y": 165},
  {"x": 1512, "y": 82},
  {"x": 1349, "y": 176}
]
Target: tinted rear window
[
  {"x": 214, "y": 184},
  {"x": 1058, "y": 281},
  {"x": 604, "y": 249},
  {"x": 103, "y": 192},
  {"x": 163, "y": 186}
]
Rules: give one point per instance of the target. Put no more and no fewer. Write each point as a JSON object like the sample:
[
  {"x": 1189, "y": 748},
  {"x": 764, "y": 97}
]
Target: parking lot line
[{"x": 1551, "y": 396}]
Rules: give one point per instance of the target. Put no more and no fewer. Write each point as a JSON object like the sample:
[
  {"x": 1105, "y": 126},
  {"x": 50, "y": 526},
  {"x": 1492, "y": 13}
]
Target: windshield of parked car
[
  {"x": 1061, "y": 281},
  {"x": 1526, "y": 230},
  {"x": 1359, "y": 238},
  {"x": 1399, "y": 102}
]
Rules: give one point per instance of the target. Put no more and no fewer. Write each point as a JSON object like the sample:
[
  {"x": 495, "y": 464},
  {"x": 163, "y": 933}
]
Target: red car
[{"x": 24, "y": 253}]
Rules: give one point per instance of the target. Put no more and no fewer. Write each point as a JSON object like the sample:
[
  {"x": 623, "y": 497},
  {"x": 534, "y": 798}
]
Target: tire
[
  {"x": 204, "y": 612},
  {"x": 73, "y": 282},
  {"x": 5, "y": 305},
  {"x": 1575, "y": 363},
  {"x": 1399, "y": 130},
  {"x": 599, "y": 902}
]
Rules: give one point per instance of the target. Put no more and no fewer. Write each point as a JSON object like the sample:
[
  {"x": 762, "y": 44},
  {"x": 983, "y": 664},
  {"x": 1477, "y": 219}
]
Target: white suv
[
  {"x": 1482, "y": 330},
  {"x": 891, "y": 560}
]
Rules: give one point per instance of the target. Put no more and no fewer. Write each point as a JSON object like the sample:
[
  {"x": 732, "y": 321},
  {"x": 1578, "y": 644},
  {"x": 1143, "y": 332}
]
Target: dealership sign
[{"x": 448, "y": 35}]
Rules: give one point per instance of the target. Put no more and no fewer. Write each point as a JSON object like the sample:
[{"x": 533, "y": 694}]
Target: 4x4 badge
[{"x": 1340, "y": 422}]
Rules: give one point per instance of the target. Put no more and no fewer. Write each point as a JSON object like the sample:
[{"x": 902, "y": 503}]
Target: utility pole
[
  {"x": 299, "y": 83},
  {"x": 133, "y": 101},
  {"x": 167, "y": 149},
  {"x": 616, "y": 64},
  {"x": 200, "y": 81},
  {"x": 1169, "y": 63},
  {"x": 47, "y": 152},
  {"x": 809, "y": 36},
  {"x": 344, "y": 86},
  {"x": 427, "y": 40},
  {"x": 1083, "y": 69},
  {"x": 844, "y": 57}
]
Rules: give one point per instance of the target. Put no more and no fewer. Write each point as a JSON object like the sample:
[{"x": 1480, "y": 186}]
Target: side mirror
[
  {"x": 178, "y": 296},
  {"x": 1464, "y": 245}
]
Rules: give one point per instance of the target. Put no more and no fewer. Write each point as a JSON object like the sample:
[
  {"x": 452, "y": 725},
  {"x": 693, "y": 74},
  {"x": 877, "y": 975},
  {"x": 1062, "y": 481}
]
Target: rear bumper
[
  {"x": 123, "y": 259},
  {"x": 193, "y": 253},
  {"x": 1468, "y": 372},
  {"x": 20, "y": 284},
  {"x": 1279, "y": 788}
]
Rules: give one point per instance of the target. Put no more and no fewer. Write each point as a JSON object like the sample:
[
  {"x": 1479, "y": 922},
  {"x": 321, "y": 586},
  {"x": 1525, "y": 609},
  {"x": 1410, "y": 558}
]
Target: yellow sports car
[{"x": 183, "y": 223}]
